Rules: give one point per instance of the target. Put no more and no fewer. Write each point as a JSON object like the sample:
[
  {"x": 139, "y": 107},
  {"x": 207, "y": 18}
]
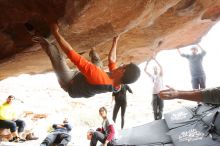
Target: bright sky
[{"x": 176, "y": 68}]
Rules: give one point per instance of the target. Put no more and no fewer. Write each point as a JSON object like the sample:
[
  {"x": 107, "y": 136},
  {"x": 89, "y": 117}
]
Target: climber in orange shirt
[{"x": 90, "y": 79}]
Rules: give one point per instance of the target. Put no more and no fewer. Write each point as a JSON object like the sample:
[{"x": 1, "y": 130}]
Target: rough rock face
[{"x": 146, "y": 26}]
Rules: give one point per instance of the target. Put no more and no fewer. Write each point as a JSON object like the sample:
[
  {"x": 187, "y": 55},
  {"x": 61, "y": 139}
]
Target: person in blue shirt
[
  {"x": 60, "y": 135},
  {"x": 196, "y": 69}
]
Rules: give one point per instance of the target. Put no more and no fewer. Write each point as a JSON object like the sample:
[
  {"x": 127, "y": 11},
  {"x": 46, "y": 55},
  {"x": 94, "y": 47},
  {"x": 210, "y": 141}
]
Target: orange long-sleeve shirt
[
  {"x": 93, "y": 74},
  {"x": 95, "y": 77}
]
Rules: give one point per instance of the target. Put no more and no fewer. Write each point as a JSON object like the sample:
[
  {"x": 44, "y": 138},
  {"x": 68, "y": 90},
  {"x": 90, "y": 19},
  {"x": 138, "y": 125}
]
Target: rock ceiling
[{"x": 146, "y": 26}]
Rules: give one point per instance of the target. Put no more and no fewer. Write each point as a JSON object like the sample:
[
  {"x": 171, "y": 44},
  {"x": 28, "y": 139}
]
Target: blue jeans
[
  {"x": 61, "y": 139},
  {"x": 157, "y": 104},
  {"x": 12, "y": 125},
  {"x": 98, "y": 136},
  {"x": 198, "y": 82}
]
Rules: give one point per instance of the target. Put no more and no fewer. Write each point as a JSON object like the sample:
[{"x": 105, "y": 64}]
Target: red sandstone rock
[{"x": 146, "y": 26}]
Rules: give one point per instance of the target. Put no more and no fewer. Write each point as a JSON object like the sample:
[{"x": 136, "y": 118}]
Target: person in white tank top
[{"x": 157, "y": 79}]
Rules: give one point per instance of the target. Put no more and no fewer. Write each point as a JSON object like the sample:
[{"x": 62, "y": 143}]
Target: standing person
[
  {"x": 120, "y": 102},
  {"x": 105, "y": 134},
  {"x": 157, "y": 79},
  {"x": 91, "y": 80},
  {"x": 60, "y": 135},
  {"x": 198, "y": 77},
  {"x": 8, "y": 120}
]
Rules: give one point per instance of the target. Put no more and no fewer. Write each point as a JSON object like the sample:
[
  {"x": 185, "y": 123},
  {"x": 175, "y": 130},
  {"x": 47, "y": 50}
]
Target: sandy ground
[{"x": 41, "y": 94}]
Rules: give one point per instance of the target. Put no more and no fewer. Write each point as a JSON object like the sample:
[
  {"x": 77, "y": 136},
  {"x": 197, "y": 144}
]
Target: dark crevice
[
  {"x": 212, "y": 14},
  {"x": 186, "y": 7},
  {"x": 159, "y": 43},
  {"x": 185, "y": 4}
]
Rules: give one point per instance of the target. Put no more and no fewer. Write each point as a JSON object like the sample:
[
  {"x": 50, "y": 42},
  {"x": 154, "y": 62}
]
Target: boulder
[{"x": 145, "y": 26}]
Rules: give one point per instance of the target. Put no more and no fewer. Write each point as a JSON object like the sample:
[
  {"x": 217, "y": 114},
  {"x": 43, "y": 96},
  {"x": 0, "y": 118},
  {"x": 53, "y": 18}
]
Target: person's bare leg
[{"x": 62, "y": 70}]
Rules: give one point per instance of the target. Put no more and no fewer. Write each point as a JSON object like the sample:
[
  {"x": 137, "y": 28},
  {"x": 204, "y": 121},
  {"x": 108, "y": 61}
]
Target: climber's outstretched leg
[{"x": 62, "y": 70}]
